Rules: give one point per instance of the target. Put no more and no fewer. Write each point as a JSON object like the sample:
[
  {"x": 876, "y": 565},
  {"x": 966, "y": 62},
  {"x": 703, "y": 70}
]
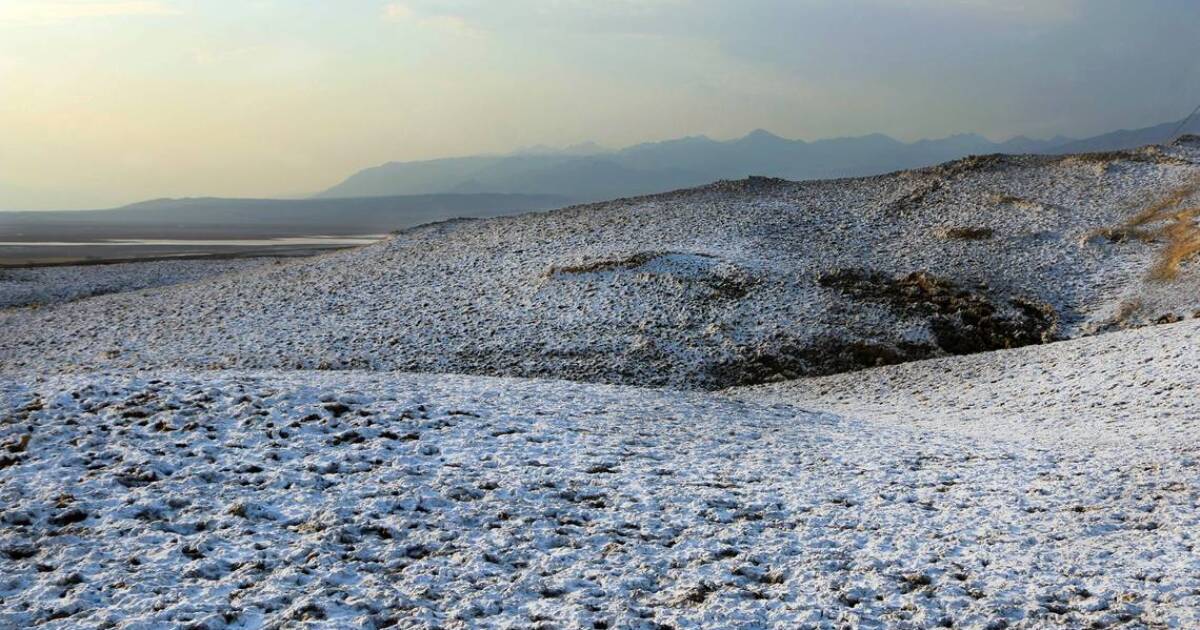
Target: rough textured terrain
[
  {"x": 43, "y": 286},
  {"x": 703, "y": 288},
  {"x": 373, "y": 500}
]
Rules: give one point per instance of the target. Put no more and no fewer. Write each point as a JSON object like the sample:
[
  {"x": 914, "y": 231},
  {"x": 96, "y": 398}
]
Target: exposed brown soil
[
  {"x": 829, "y": 355},
  {"x": 962, "y": 321},
  {"x": 914, "y": 199},
  {"x": 967, "y": 233}
]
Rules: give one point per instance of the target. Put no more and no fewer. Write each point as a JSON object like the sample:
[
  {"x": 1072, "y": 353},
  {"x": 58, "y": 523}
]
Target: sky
[{"x": 106, "y": 102}]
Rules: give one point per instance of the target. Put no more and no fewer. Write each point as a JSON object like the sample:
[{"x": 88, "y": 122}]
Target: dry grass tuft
[
  {"x": 1126, "y": 311},
  {"x": 1145, "y": 155},
  {"x": 1157, "y": 210},
  {"x": 1183, "y": 244},
  {"x": 1007, "y": 199},
  {"x": 1164, "y": 220}
]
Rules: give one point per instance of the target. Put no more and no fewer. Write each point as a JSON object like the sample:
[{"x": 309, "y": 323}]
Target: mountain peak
[
  {"x": 762, "y": 134},
  {"x": 586, "y": 148}
]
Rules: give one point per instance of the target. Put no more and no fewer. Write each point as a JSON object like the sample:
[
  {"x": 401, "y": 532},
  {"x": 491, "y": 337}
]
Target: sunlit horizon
[{"x": 104, "y": 103}]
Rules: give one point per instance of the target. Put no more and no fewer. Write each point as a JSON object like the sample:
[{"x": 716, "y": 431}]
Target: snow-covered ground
[
  {"x": 1125, "y": 390},
  {"x": 271, "y": 499},
  {"x": 43, "y": 286},
  {"x": 734, "y": 283}
]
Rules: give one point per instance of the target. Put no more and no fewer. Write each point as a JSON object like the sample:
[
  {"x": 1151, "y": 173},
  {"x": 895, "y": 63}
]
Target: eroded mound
[{"x": 706, "y": 275}]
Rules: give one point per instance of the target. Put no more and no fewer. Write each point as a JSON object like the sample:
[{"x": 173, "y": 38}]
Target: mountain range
[{"x": 588, "y": 172}]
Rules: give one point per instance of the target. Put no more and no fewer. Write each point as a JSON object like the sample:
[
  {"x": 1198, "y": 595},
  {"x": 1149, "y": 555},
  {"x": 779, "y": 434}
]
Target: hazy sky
[{"x": 107, "y": 102}]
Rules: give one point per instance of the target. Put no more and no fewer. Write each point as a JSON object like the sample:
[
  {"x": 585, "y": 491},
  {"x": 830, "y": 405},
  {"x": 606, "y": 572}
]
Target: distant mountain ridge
[
  {"x": 379, "y": 213},
  {"x": 589, "y": 172}
]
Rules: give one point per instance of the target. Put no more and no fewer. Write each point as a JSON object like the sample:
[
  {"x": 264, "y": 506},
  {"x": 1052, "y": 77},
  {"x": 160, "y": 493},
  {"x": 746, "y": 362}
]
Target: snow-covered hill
[{"x": 734, "y": 283}]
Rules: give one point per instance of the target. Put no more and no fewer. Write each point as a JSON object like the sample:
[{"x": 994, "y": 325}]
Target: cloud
[
  {"x": 24, "y": 12},
  {"x": 453, "y": 23},
  {"x": 1015, "y": 10},
  {"x": 397, "y": 12}
]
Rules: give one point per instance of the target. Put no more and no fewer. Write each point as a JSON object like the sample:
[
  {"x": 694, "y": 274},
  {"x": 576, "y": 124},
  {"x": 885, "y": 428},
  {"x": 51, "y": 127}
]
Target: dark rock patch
[
  {"x": 69, "y": 517},
  {"x": 967, "y": 233},
  {"x": 829, "y": 355},
  {"x": 20, "y": 552},
  {"x": 963, "y": 321}
]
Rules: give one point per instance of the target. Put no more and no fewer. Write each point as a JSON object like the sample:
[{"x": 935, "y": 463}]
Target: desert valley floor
[{"x": 965, "y": 396}]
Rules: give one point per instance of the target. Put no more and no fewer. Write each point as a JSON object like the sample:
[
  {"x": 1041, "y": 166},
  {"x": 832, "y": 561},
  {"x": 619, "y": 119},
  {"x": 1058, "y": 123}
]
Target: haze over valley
[{"x": 398, "y": 195}]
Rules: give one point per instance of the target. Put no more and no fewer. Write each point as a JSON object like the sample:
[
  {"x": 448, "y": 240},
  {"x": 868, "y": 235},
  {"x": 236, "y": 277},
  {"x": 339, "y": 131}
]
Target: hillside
[
  {"x": 1136, "y": 386},
  {"x": 591, "y": 174},
  {"x": 728, "y": 284},
  {"x": 48, "y": 285}
]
